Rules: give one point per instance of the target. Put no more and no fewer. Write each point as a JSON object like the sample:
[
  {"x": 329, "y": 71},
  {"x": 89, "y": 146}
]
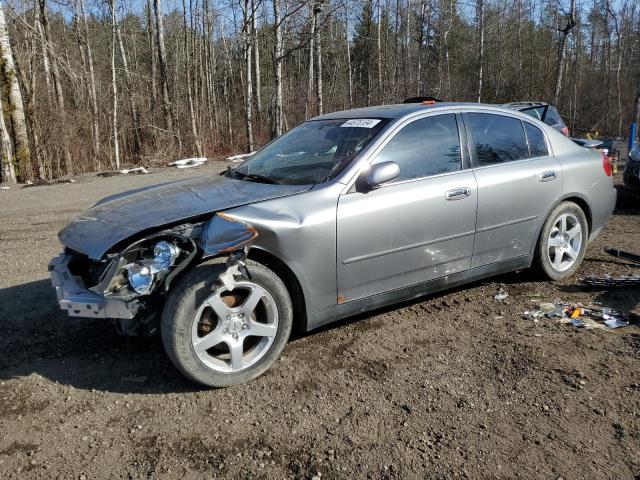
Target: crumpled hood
[{"x": 118, "y": 217}]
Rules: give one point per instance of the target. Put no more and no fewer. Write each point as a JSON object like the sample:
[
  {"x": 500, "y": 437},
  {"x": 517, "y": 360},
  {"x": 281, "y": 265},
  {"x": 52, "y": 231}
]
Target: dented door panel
[{"x": 403, "y": 234}]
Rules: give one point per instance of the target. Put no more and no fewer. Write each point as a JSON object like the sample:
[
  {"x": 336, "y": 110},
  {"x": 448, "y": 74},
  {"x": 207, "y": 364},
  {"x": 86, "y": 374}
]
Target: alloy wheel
[
  {"x": 232, "y": 330},
  {"x": 565, "y": 242}
]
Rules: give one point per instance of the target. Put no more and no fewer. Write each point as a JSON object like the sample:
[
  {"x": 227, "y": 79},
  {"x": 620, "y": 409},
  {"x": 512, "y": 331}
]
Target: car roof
[{"x": 404, "y": 109}]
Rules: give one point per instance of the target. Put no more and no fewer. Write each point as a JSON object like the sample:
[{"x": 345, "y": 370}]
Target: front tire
[
  {"x": 220, "y": 337},
  {"x": 562, "y": 242}
]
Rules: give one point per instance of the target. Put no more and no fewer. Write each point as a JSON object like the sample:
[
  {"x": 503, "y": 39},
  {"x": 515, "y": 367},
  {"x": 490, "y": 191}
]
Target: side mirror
[{"x": 381, "y": 173}]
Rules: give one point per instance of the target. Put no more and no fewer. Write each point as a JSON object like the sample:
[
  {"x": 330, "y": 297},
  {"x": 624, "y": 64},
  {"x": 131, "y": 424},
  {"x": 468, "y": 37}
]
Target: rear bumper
[{"x": 77, "y": 301}]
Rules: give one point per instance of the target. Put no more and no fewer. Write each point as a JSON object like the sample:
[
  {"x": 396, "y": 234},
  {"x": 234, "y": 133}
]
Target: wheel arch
[
  {"x": 286, "y": 274},
  {"x": 576, "y": 198}
]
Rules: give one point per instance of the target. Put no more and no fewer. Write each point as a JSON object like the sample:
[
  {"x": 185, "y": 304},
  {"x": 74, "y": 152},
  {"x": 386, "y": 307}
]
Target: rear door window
[
  {"x": 425, "y": 147},
  {"x": 537, "y": 143},
  {"x": 497, "y": 138}
]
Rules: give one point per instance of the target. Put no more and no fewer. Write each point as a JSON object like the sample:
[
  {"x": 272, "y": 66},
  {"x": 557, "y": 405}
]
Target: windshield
[{"x": 311, "y": 152}]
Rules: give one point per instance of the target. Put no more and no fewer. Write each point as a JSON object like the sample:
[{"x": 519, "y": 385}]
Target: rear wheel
[
  {"x": 220, "y": 337},
  {"x": 562, "y": 242}
]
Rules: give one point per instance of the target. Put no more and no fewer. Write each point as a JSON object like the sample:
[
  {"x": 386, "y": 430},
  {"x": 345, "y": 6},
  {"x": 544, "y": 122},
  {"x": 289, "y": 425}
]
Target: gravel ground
[{"x": 455, "y": 385}]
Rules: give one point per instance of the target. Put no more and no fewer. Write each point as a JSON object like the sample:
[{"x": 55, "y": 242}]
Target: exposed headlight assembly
[{"x": 143, "y": 274}]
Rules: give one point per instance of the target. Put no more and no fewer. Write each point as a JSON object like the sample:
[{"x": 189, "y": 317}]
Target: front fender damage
[
  {"x": 224, "y": 234},
  {"x": 220, "y": 236}
]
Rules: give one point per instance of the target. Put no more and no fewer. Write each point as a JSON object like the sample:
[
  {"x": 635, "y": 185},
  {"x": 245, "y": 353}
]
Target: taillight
[
  {"x": 606, "y": 164},
  {"x": 565, "y": 130}
]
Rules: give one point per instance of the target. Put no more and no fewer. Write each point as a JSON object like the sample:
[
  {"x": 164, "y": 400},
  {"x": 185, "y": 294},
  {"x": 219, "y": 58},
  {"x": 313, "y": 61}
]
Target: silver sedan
[{"x": 345, "y": 213}]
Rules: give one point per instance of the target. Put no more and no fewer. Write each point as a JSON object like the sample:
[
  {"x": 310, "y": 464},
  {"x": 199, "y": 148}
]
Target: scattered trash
[
  {"x": 141, "y": 170},
  {"x": 580, "y": 316},
  {"x": 4, "y": 187},
  {"x": 40, "y": 183},
  {"x": 189, "y": 162},
  {"x": 576, "y": 322},
  {"x": 632, "y": 257},
  {"x": 125, "y": 171},
  {"x": 501, "y": 295},
  {"x": 547, "y": 307},
  {"x": 239, "y": 157}
]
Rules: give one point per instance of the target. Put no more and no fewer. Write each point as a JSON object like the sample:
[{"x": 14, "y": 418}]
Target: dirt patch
[{"x": 450, "y": 385}]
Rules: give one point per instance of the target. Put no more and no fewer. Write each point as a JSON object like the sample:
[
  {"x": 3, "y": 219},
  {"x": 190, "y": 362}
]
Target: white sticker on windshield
[{"x": 361, "y": 123}]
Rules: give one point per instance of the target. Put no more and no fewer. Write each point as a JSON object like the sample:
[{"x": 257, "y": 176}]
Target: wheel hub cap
[
  {"x": 565, "y": 242},
  {"x": 231, "y": 332}
]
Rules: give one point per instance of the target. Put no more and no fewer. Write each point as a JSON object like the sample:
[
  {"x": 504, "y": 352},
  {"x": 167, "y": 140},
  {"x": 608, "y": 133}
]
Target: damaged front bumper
[{"x": 78, "y": 301}]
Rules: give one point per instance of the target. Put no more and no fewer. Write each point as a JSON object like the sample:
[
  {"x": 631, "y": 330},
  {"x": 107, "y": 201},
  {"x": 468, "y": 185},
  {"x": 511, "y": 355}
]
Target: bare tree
[
  {"x": 16, "y": 107},
  {"x": 57, "y": 85},
  {"x": 480, "y": 23},
  {"x": 562, "y": 44},
  {"x": 162, "y": 65},
  {"x": 93, "y": 97},
  {"x": 114, "y": 88},
  {"x": 187, "y": 68},
  {"x": 278, "y": 57},
  {"x": 317, "y": 9},
  {"x": 6, "y": 153},
  {"x": 246, "y": 33}
]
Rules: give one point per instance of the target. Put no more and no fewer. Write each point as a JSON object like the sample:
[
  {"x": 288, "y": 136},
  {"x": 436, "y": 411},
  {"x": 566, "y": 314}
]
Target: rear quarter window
[{"x": 537, "y": 143}]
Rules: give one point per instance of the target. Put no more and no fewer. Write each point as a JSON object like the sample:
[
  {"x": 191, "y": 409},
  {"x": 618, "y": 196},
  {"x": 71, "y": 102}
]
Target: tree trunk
[
  {"x": 256, "y": 60},
  {"x": 310, "y": 77},
  {"x": 246, "y": 32},
  {"x": 187, "y": 68},
  {"x": 6, "y": 153},
  {"x": 57, "y": 85},
  {"x": 379, "y": 53},
  {"x": 480, "y": 20},
  {"x": 316, "y": 11},
  {"x": 133, "y": 109},
  {"x": 571, "y": 22},
  {"x": 93, "y": 98},
  {"x": 16, "y": 109},
  {"x": 346, "y": 39},
  {"x": 114, "y": 87},
  {"x": 152, "y": 55},
  {"x": 162, "y": 65},
  {"x": 278, "y": 52}
]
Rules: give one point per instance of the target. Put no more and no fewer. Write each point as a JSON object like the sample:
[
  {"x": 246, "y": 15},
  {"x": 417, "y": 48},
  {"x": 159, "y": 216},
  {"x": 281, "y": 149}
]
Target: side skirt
[{"x": 336, "y": 312}]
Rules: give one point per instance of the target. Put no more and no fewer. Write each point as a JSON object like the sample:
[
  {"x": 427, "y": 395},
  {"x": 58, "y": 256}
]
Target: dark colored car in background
[
  {"x": 632, "y": 170},
  {"x": 541, "y": 111}
]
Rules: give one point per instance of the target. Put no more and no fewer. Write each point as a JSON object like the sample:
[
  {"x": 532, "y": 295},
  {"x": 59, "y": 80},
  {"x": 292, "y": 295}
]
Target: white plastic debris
[
  {"x": 228, "y": 277},
  {"x": 189, "y": 162},
  {"x": 239, "y": 157},
  {"x": 139, "y": 170},
  {"x": 4, "y": 187},
  {"x": 501, "y": 295}
]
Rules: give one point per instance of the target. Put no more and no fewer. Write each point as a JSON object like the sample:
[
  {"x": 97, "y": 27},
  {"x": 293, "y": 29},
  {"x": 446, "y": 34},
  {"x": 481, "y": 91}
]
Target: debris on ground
[
  {"x": 41, "y": 183},
  {"x": 4, "y": 187},
  {"x": 189, "y": 162},
  {"x": 621, "y": 281},
  {"x": 136, "y": 170},
  {"x": 501, "y": 295},
  {"x": 125, "y": 171},
  {"x": 580, "y": 316},
  {"x": 239, "y": 157}
]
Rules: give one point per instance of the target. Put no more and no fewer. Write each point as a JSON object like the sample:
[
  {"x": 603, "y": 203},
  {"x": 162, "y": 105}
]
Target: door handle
[
  {"x": 548, "y": 176},
  {"x": 457, "y": 193}
]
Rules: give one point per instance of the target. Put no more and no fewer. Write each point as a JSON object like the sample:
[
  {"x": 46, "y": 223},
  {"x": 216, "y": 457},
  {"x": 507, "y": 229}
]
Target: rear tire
[
  {"x": 562, "y": 242},
  {"x": 219, "y": 337}
]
